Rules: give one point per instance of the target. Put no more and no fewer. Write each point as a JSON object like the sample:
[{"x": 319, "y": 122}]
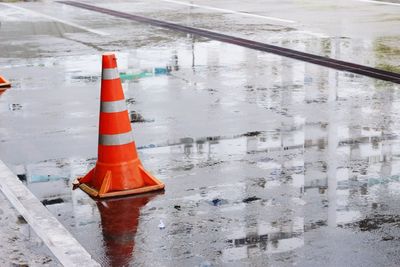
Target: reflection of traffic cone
[
  {"x": 119, "y": 223},
  {"x": 118, "y": 170}
]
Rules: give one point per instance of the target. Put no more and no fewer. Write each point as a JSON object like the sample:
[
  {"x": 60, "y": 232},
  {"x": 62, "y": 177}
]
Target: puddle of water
[
  {"x": 119, "y": 224},
  {"x": 289, "y": 148}
]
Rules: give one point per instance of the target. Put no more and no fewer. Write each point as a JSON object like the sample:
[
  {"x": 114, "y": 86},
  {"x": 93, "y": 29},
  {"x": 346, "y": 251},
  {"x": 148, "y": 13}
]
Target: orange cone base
[
  {"x": 151, "y": 184},
  {"x": 4, "y": 84}
]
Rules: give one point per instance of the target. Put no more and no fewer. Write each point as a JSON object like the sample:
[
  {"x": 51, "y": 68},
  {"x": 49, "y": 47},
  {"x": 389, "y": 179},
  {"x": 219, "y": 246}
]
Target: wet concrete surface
[
  {"x": 19, "y": 245},
  {"x": 356, "y": 31},
  {"x": 266, "y": 160}
]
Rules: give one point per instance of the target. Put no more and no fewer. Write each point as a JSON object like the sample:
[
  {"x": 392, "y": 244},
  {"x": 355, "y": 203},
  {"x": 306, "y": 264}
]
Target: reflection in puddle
[
  {"x": 270, "y": 238},
  {"x": 119, "y": 223},
  {"x": 282, "y": 178},
  {"x": 314, "y": 151}
]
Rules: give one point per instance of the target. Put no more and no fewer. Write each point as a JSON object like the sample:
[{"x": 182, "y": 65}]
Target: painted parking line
[
  {"x": 230, "y": 11},
  {"x": 379, "y": 2},
  {"x": 55, "y": 19}
]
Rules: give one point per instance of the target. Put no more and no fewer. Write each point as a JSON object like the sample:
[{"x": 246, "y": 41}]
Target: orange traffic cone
[
  {"x": 4, "y": 84},
  {"x": 118, "y": 170}
]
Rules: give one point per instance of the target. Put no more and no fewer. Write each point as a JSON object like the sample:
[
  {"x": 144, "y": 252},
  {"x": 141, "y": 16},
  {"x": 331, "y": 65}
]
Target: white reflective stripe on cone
[
  {"x": 115, "y": 139},
  {"x": 113, "y": 106},
  {"x": 110, "y": 74}
]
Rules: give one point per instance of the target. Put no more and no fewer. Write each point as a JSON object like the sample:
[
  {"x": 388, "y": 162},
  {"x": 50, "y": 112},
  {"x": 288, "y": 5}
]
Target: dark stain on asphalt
[
  {"x": 136, "y": 117},
  {"x": 53, "y": 201},
  {"x": 376, "y": 221},
  {"x": 218, "y": 202},
  {"x": 255, "y": 133},
  {"x": 250, "y": 199}
]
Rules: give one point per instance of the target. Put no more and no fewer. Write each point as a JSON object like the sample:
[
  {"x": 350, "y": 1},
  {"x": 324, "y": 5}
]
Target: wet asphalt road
[{"x": 266, "y": 160}]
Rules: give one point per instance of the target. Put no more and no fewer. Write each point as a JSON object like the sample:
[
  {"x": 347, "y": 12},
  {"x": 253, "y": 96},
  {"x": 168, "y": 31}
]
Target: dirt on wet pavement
[{"x": 19, "y": 245}]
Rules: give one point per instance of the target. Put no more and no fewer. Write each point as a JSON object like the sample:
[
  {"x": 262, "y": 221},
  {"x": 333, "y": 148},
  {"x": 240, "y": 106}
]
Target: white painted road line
[
  {"x": 56, "y": 19},
  {"x": 230, "y": 11},
  {"x": 67, "y": 250},
  {"x": 379, "y": 2}
]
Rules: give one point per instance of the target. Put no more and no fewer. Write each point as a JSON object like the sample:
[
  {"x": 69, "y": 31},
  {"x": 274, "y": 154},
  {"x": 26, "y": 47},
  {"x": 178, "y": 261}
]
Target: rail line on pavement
[{"x": 277, "y": 50}]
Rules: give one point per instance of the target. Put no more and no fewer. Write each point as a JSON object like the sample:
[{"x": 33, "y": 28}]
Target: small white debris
[{"x": 161, "y": 225}]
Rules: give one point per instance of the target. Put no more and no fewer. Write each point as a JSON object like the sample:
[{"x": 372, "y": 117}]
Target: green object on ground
[{"x": 131, "y": 76}]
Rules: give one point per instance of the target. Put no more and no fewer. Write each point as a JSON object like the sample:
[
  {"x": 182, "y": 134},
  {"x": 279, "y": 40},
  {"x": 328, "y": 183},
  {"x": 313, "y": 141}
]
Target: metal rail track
[{"x": 281, "y": 51}]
